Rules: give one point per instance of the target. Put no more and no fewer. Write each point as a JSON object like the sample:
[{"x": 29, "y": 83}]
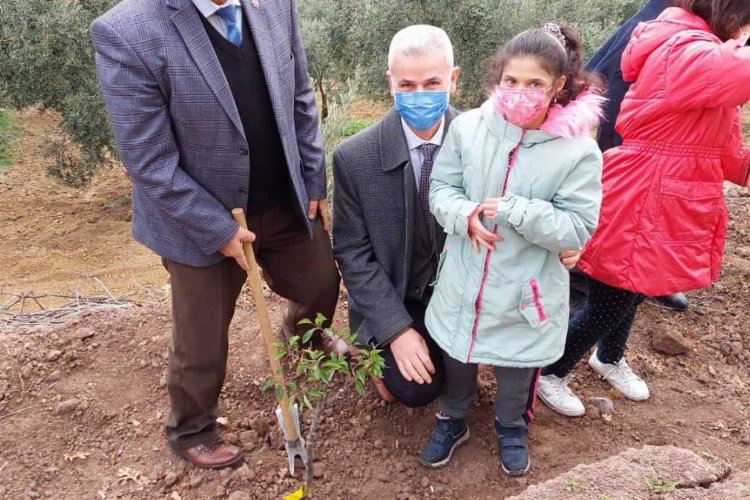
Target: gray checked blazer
[
  {"x": 177, "y": 127},
  {"x": 373, "y": 203}
]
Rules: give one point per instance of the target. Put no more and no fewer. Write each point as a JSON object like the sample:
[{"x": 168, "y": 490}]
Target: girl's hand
[
  {"x": 489, "y": 208},
  {"x": 570, "y": 258},
  {"x": 479, "y": 234}
]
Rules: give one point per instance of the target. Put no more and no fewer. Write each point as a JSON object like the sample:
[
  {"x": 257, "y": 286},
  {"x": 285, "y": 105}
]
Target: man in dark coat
[{"x": 385, "y": 239}]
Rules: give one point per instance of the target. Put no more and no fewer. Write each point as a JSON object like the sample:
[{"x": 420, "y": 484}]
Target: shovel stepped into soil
[{"x": 287, "y": 415}]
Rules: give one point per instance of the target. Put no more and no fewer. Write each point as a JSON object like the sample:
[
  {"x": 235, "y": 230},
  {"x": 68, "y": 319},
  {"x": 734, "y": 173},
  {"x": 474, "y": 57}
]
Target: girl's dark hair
[
  {"x": 723, "y": 16},
  {"x": 542, "y": 45}
]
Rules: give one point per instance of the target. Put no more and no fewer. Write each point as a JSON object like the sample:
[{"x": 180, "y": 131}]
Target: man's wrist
[{"x": 394, "y": 337}]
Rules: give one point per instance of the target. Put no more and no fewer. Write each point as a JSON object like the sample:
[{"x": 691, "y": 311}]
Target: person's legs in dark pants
[
  {"x": 611, "y": 347},
  {"x": 409, "y": 393},
  {"x": 297, "y": 267},
  {"x": 459, "y": 388},
  {"x": 451, "y": 429},
  {"x": 607, "y": 317},
  {"x": 515, "y": 398},
  {"x": 607, "y": 320},
  {"x": 513, "y": 407},
  {"x": 203, "y": 301}
]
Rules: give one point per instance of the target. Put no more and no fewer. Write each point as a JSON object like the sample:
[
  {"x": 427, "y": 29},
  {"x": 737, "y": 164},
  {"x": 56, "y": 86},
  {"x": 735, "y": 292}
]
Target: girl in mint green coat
[{"x": 517, "y": 182}]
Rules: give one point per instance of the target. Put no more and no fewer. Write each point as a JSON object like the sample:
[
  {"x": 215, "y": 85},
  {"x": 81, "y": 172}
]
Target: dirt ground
[{"x": 82, "y": 404}]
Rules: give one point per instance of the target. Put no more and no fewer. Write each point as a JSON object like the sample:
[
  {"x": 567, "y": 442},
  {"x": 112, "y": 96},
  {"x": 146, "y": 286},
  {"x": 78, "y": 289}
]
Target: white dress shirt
[
  {"x": 413, "y": 142},
  {"x": 208, "y": 9}
]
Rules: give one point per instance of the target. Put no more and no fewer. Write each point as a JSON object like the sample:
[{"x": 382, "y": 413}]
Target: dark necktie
[
  {"x": 229, "y": 15},
  {"x": 428, "y": 153}
]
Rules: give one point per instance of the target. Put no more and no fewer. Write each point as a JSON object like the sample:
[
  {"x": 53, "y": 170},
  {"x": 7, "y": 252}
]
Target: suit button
[{"x": 244, "y": 151}]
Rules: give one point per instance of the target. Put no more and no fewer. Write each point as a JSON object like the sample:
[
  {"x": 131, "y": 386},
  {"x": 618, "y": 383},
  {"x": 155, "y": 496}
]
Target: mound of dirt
[
  {"x": 639, "y": 474},
  {"x": 736, "y": 486}
]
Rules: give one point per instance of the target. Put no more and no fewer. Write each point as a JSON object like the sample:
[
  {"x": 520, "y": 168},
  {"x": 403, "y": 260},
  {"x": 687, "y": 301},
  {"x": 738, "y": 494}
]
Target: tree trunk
[
  {"x": 311, "y": 436},
  {"x": 323, "y": 101}
]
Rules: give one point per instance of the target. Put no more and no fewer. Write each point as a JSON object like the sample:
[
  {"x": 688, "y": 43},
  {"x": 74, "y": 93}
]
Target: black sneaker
[
  {"x": 448, "y": 435},
  {"x": 514, "y": 450},
  {"x": 676, "y": 301}
]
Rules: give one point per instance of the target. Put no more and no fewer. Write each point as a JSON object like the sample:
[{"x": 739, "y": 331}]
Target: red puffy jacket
[{"x": 663, "y": 219}]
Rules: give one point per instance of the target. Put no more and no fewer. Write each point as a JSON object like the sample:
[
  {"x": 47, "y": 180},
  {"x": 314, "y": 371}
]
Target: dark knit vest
[{"x": 269, "y": 174}]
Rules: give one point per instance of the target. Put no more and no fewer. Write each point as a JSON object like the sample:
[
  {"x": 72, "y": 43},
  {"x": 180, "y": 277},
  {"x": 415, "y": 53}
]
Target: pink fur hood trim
[{"x": 577, "y": 118}]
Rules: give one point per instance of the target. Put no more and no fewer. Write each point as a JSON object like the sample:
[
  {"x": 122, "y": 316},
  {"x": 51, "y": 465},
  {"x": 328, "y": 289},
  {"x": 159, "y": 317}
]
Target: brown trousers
[{"x": 295, "y": 266}]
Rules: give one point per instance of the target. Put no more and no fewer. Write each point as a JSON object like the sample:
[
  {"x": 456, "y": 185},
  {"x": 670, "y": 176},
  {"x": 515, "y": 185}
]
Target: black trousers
[
  {"x": 408, "y": 393},
  {"x": 606, "y": 319}
]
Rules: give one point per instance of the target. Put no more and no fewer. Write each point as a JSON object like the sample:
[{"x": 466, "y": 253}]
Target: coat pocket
[
  {"x": 532, "y": 307},
  {"x": 688, "y": 210}
]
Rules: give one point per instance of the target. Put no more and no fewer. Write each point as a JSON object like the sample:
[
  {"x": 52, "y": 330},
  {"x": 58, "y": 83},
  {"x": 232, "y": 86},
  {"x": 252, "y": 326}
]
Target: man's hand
[
  {"x": 233, "y": 249},
  {"x": 480, "y": 235},
  {"x": 570, "y": 258},
  {"x": 413, "y": 357},
  {"x": 319, "y": 205}
]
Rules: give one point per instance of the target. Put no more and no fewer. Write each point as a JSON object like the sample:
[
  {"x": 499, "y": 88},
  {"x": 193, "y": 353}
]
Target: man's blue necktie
[{"x": 229, "y": 15}]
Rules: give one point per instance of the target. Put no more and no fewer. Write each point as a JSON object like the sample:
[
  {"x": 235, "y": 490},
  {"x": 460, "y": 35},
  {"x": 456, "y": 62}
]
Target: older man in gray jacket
[
  {"x": 385, "y": 239},
  {"x": 211, "y": 106}
]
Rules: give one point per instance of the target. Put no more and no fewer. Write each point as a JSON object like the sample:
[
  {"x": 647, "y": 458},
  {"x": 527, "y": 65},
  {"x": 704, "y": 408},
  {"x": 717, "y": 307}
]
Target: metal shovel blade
[{"x": 293, "y": 448}]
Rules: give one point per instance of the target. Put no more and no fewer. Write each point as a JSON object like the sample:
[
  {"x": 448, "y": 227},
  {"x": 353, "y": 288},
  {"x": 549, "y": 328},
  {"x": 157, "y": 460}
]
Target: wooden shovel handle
[{"x": 277, "y": 375}]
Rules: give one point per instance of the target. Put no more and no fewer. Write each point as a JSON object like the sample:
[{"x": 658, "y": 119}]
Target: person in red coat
[{"x": 663, "y": 220}]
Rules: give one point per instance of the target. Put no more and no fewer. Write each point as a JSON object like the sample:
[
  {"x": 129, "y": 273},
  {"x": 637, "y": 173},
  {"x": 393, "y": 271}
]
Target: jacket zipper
[{"x": 488, "y": 257}]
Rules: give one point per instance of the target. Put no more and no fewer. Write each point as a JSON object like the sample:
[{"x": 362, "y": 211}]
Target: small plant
[
  {"x": 314, "y": 373},
  {"x": 603, "y": 497},
  {"x": 655, "y": 485},
  {"x": 708, "y": 454},
  {"x": 573, "y": 485}
]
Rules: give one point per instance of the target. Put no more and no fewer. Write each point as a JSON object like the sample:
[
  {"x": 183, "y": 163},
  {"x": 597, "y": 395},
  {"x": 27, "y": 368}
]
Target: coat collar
[{"x": 394, "y": 152}]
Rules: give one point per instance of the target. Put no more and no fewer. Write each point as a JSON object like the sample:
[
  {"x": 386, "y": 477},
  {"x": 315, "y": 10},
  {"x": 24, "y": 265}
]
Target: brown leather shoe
[
  {"x": 382, "y": 390},
  {"x": 322, "y": 341},
  {"x": 329, "y": 343},
  {"x": 213, "y": 454}
]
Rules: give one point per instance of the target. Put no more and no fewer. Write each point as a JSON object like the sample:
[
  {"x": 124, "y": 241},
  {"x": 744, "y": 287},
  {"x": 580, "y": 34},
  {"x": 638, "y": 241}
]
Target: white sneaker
[
  {"x": 621, "y": 377},
  {"x": 556, "y": 394}
]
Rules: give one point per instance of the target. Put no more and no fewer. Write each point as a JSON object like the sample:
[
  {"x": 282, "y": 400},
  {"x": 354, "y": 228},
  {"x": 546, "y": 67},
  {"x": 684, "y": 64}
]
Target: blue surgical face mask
[{"x": 422, "y": 110}]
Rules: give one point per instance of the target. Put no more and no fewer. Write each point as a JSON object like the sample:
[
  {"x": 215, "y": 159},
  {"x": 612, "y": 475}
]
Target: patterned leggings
[{"x": 606, "y": 319}]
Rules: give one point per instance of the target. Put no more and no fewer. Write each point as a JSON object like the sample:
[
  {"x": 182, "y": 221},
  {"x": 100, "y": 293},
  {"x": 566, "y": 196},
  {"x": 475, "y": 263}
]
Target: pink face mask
[{"x": 520, "y": 106}]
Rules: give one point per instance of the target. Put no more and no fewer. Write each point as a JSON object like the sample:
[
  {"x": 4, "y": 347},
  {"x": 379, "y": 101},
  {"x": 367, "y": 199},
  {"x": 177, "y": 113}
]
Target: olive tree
[{"x": 46, "y": 60}]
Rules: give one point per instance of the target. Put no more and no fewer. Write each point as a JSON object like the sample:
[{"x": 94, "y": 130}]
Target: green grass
[
  {"x": 355, "y": 126},
  {"x": 8, "y": 132},
  {"x": 657, "y": 486}
]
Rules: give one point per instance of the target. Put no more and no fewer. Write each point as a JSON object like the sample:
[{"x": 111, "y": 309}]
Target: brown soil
[
  {"x": 110, "y": 443},
  {"x": 53, "y": 237}
]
